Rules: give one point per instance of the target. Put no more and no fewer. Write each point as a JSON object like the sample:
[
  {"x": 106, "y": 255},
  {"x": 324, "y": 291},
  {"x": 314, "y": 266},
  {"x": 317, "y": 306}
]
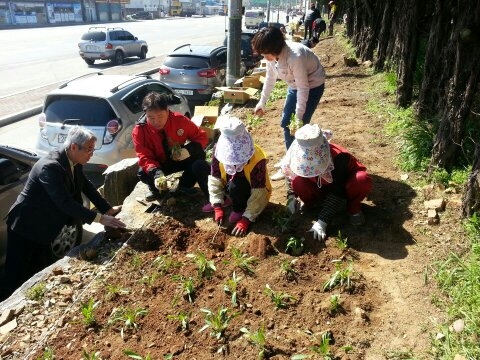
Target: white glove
[
  {"x": 319, "y": 230},
  {"x": 180, "y": 155},
  {"x": 293, "y": 205}
]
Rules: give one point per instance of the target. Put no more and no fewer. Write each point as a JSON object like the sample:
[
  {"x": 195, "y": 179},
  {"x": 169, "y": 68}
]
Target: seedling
[
  {"x": 36, "y": 292},
  {"x": 281, "y": 219},
  {"x": 129, "y": 317},
  {"x": 280, "y": 300},
  {"x": 187, "y": 287},
  {"x": 295, "y": 246},
  {"x": 183, "y": 317},
  {"x": 253, "y": 120},
  {"x": 243, "y": 261},
  {"x": 164, "y": 263},
  {"x": 342, "y": 243},
  {"x": 47, "y": 354},
  {"x": 88, "y": 310},
  {"x": 115, "y": 290},
  {"x": 136, "y": 261},
  {"x": 295, "y": 124},
  {"x": 88, "y": 356},
  {"x": 134, "y": 355},
  {"x": 257, "y": 338},
  {"x": 206, "y": 268},
  {"x": 335, "y": 304},
  {"x": 149, "y": 280},
  {"x": 217, "y": 322},
  {"x": 231, "y": 287},
  {"x": 341, "y": 277},
  {"x": 323, "y": 349},
  {"x": 288, "y": 270}
]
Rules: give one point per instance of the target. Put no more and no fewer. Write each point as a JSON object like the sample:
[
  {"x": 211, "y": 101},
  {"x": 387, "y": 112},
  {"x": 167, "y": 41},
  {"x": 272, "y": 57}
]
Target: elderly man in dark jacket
[
  {"x": 309, "y": 17},
  {"x": 51, "y": 199}
]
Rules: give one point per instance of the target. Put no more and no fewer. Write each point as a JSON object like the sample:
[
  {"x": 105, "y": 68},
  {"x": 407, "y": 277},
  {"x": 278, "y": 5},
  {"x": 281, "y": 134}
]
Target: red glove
[
  {"x": 242, "y": 227},
  {"x": 218, "y": 211}
]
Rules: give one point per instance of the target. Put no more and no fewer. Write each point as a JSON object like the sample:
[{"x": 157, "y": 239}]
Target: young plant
[
  {"x": 341, "y": 277},
  {"x": 149, "y": 280},
  {"x": 295, "y": 246},
  {"x": 243, "y": 261},
  {"x": 36, "y": 292},
  {"x": 335, "y": 304},
  {"x": 258, "y": 339},
  {"x": 165, "y": 263},
  {"x": 217, "y": 322},
  {"x": 88, "y": 310},
  {"x": 187, "y": 287},
  {"x": 136, "y": 261},
  {"x": 254, "y": 120},
  {"x": 182, "y": 317},
  {"x": 206, "y": 268},
  {"x": 280, "y": 300},
  {"x": 231, "y": 287},
  {"x": 87, "y": 356},
  {"x": 47, "y": 354},
  {"x": 342, "y": 243},
  {"x": 288, "y": 270},
  {"x": 113, "y": 291},
  {"x": 295, "y": 124},
  {"x": 322, "y": 349},
  {"x": 128, "y": 316},
  {"x": 281, "y": 219},
  {"x": 134, "y": 355}
]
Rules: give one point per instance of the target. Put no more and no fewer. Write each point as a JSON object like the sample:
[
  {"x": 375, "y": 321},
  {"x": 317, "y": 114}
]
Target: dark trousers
[
  {"x": 308, "y": 29},
  {"x": 24, "y": 259},
  {"x": 239, "y": 190},
  {"x": 194, "y": 171}
]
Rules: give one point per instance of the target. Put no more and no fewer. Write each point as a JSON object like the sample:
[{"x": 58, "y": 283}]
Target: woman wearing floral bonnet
[
  {"x": 239, "y": 169},
  {"x": 323, "y": 173}
]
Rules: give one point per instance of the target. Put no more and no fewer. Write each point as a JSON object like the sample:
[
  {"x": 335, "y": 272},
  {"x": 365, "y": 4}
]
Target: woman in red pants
[{"x": 323, "y": 173}]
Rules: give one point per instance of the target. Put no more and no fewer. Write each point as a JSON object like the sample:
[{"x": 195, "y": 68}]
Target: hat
[
  {"x": 331, "y": 2},
  {"x": 235, "y": 144},
  {"x": 309, "y": 154}
]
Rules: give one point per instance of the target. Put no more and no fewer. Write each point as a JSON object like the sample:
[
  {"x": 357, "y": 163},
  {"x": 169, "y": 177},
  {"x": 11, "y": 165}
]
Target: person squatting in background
[
  {"x": 300, "y": 68},
  {"x": 167, "y": 142},
  {"x": 239, "y": 169},
  {"x": 310, "y": 43},
  {"x": 310, "y": 16},
  {"x": 323, "y": 173}
]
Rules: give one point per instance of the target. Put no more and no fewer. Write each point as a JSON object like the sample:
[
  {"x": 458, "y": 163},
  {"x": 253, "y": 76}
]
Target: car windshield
[
  {"x": 186, "y": 62},
  {"x": 90, "y": 111},
  {"x": 94, "y": 36}
]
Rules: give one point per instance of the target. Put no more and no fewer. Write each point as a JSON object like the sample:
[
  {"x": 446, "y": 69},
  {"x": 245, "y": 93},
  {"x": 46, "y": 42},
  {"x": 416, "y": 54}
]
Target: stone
[
  {"x": 5, "y": 329},
  {"x": 432, "y": 217},
  {"x": 6, "y": 316},
  {"x": 435, "y": 204},
  {"x": 120, "y": 180}
]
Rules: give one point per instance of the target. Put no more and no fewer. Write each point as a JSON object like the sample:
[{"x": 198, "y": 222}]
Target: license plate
[
  {"x": 90, "y": 47},
  {"x": 184, "y": 92},
  {"x": 61, "y": 138}
]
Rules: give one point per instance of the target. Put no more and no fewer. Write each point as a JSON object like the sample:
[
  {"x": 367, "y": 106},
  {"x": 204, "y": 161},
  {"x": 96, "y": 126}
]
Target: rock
[
  {"x": 367, "y": 64},
  {"x": 260, "y": 248},
  {"x": 432, "y": 217},
  {"x": 350, "y": 61},
  {"x": 458, "y": 325},
  {"x": 5, "y": 329},
  {"x": 435, "y": 204},
  {"x": 6, "y": 316},
  {"x": 440, "y": 336},
  {"x": 120, "y": 180},
  {"x": 459, "y": 357}
]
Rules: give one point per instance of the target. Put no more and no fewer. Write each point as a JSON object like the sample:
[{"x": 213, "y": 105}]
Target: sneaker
[
  {"x": 189, "y": 191},
  {"x": 357, "y": 219},
  {"x": 278, "y": 176},
  {"x": 209, "y": 207},
  {"x": 235, "y": 216},
  {"x": 152, "y": 195}
]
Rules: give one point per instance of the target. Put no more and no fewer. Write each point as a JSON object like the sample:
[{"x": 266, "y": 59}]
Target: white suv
[{"x": 114, "y": 44}]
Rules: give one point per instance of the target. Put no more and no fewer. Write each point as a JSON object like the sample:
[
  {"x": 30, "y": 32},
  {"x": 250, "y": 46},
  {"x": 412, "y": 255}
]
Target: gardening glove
[
  {"x": 160, "y": 181},
  {"x": 180, "y": 155},
  {"x": 218, "y": 217},
  {"x": 319, "y": 230},
  {"x": 241, "y": 227},
  {"x": 293, "y": 205}
]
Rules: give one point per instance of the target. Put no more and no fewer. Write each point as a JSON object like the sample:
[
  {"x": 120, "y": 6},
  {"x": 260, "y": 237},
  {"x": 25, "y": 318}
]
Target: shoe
[
  {"x": 278, "y": 176},
  {"x": 152, "y": 195},
  {"x": 357, "y": 219},
  {"x": 209, "y": 207},
  {"x": 186, "y": 190},
  {"x": 235, "y": 216}
]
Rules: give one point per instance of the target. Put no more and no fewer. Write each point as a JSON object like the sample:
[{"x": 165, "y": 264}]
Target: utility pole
[
  {"x": 268, "y": 11},
  {"x": 234, "y": 40}
]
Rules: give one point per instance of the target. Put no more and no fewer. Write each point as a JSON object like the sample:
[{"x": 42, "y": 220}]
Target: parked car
[
  {"x": 108, "y": 105},
  {"x": 274, "y": 24},
  {"x": 249, "y": 58},
  {"x": 143, "y": 15},
  {"x": 15, "y": 165},
  {"x": 114, "y": 44}
]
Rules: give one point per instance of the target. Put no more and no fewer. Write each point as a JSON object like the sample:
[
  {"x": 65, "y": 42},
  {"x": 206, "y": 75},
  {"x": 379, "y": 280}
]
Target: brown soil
[{"x": 385, "y": 312}]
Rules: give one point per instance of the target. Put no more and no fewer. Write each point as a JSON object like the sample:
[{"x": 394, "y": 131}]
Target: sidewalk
[{"x": 22, "y": 105}]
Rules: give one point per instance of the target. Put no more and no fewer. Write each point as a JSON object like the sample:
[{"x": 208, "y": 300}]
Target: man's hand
[
  {"x": 160, "y": 181},
  {"x": 293, "y": 205},
  {"x": 319, "y": 230},
  {"x": 180, "y": 155},
  {"x": 114, "y": 210},
  {"x": 111, "y": 221},
  {"x": 218, "y": 217},
  {"x": 241, "y": 227}
]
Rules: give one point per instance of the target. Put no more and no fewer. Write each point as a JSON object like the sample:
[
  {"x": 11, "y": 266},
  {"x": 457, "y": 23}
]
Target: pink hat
[{"x": 235, "y": 144}]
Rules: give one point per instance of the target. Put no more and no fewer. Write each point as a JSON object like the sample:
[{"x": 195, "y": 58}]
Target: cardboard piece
[
  {"x": 237, "y": 95},
  {"x": 253, "y": 81},
  {"x": 206, "y": 117}
]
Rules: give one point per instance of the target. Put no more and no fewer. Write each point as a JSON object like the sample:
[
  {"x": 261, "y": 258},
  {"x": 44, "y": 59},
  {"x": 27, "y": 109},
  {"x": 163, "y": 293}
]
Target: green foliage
[
  {"x": 341, "y": 277},
  {"x": 187, "y": 287},
  {"x": 280, "y": 300},
  {"x": 390, "y": 82},
  {"x": 456, "y": 177},
  {"x": 258, "y": 339},
  {"x": 136, "y": 261},
  {"x": 47, "y": 354},
  {"x": 128, "y": 317},
  {"x": 182, "y": 317},
  {"x": 322, "y": 349},
  {"x": 36, "y": 292},
  {"x": 88, "y": 312},
  {"x": 87, "y": 356},
  {"x": 335, "y": 304},
  {"x": 148, "y": 280},
  {"x": 206, "y": 268},
  {"x": 288, "y": 270},
  {"x": 115, "y": 290},
  {"x": 134, "y": 355},
  {"x": 243, "y": 261},
  {"x": 341, "y": 242},
  {"x": 253, "y": 120},
  {"x": 217, "y": 322},
  {"x": 230, "y": 287},
  {"x": 213, "y": 102},
  {"x": 281, "y": 218},
  {"x": 295, "y": 246},
  {"x": 279, "y": 91}
]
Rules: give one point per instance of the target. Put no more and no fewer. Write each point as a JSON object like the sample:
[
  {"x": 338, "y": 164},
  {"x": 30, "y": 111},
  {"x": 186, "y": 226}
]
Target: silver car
[
  {"x": 15, "y": 165},
  {"x": 114, "y": 44},
  {"x": 109, "y": 106}
]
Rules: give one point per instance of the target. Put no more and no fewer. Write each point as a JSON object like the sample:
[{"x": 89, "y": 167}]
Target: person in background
[
  {"x": 332, "y": 16},
  {"x": 310, "y": 16},
  {"x": 300, "y": 68},
  {"x": 323, "y": 173},
  {"x": 167, "y": 142},
  {"x": 310, "y": 43},
  {"x": 319, "y": 27},
  {"x": 51, "y": 199},
  {"x": 239, "y": 168}
]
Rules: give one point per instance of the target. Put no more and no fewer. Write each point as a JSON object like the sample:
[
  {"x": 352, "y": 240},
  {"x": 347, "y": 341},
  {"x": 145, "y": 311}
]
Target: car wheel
[
  {"x": 69, "y": 237},
  {"x": 118, "y": 60},
  {"x": 89, "y": 61},
  {"x": 143, "y": 53}
]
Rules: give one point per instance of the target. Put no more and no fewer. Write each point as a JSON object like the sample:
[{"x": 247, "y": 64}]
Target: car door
[{"x": 132, "y": 47}]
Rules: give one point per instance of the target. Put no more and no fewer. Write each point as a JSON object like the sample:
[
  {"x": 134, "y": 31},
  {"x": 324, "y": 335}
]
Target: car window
[
  {"x": 221, "y": 58},
  {"x": 134, "y": 101},
  {"x": 128, "y": 36},
  {"x": 115, "y": 35},
  {"x": 94, "y": 36},
  {"x": 186, "y": 62},
  {"x": 89, "y": 111}
]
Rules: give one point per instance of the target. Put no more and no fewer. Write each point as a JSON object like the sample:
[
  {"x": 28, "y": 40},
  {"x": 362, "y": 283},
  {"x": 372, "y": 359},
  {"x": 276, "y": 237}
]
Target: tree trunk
[
  {"x": 384, "y": 35},
  {"x": 471, "y": 197}
]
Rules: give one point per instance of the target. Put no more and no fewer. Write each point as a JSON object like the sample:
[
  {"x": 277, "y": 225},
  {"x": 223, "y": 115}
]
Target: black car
[
  {"x": 249, "y": 58},
  {"x": 274, "y": 24},
  {"x": 143, "y": 15}
]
